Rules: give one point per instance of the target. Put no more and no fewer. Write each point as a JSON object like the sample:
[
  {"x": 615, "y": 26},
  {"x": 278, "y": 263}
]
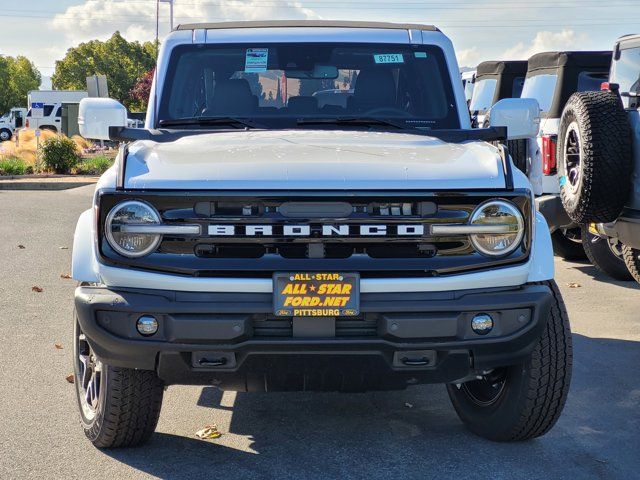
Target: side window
[
  {"x": 591, "y": 81},
  {"x": 542, "y": 88},
  {"x": 625, "y": 71},
  {"x": 48, "y": 109},
  {"x": 518, "y": 83},
  {"x": 59, "y": 112}
]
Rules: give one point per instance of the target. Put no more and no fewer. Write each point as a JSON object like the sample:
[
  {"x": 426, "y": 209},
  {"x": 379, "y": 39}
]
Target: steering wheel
[{"x": 386, "y": 111}]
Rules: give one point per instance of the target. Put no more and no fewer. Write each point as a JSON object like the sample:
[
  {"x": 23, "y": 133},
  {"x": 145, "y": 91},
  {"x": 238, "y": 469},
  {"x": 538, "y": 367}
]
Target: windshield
[
  {"x": 542, "y": 88},
  {"x": 483, "y": 93},
  {"x": 273, "y": 82},
  {"x": 625, "y": 71}
]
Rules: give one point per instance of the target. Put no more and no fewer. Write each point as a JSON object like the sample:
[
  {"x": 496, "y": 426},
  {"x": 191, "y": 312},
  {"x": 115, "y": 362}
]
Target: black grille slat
[{"x": 361, "y": 326}]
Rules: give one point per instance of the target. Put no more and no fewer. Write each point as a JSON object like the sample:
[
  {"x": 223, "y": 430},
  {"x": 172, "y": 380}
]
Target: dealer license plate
[{"x": 316, "y": 294}]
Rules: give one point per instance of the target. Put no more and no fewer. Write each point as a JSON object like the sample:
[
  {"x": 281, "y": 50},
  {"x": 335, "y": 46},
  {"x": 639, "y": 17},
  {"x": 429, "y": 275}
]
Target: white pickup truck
[
  {"x": 10, "y": 122},
  {"x": 252, "y": 239}
]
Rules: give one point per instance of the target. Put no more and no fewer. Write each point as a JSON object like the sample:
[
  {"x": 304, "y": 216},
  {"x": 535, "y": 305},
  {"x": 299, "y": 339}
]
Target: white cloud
[
  {"x": 546, "y": 41},
  {"x": 136, "y": 20},
  {"x": 467, "y": 57}
]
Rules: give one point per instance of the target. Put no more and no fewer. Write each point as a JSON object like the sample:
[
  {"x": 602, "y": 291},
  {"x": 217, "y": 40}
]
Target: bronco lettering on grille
[{"x": 321, "y": 230}]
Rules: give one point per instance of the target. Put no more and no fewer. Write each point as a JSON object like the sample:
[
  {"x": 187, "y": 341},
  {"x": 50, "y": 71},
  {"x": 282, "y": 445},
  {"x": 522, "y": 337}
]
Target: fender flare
[
  {"x": 84, "y": 265},
  {"x": 541, "y": 266}
]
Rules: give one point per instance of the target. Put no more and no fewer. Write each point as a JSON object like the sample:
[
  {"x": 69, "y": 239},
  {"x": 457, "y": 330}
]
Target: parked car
[
  {"x": 551, "y": 79},
  {"x": 599, "y": 160},
  {"x": 52, "y": 103},
  {"x": 250, "y": 247},
  {"x": 496, "y": 80},
  {"x": 10, "y": 122}
]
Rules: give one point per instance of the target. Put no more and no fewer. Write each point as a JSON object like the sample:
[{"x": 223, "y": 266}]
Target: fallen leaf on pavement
[
  {"x": 70, "y": 378},
  {"x": 65, "y": 275},
  {"x": 36, "y": 288},
  {"x": 574, "y": 285},
  {"x": 210, "y": 431},
  {"x": 21, "y": 247},
  {"x": 63, "y": 248},
  {"x": 58, "y": 346}
]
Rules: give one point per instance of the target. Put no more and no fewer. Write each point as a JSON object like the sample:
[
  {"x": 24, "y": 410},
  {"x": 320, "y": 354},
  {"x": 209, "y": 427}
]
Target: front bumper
[
  {"x": 232, "y": 341},
  {"x": 550, "y": 206}
]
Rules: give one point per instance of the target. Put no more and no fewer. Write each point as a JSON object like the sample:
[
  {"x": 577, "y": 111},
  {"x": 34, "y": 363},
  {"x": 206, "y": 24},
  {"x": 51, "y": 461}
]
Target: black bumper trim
[{"x": 225, "y": 322}]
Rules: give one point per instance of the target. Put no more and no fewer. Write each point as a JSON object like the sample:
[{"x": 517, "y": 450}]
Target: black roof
[
  {"x": 550, "y": 60},
  {"x": 498, "y": 67}
]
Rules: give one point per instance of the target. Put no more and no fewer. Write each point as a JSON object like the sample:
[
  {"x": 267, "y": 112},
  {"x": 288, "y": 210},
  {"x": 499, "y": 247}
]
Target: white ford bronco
[{"x": 254, "y": 239}]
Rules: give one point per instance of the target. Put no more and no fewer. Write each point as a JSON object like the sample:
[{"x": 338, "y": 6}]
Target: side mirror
[
  {"x": 96, "y": 115},
  {"x": 521, "y": 116}
]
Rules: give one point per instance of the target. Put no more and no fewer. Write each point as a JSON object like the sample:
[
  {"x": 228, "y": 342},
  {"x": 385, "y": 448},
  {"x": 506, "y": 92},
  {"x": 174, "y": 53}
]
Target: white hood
[{"x": 312, "y": 160}]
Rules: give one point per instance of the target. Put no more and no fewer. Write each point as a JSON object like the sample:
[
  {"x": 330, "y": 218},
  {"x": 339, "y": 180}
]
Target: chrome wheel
[
  {"x": 487, "y": 390},
  {"x": 88, "y": 377},
  {"x": 573, "y": 158}
]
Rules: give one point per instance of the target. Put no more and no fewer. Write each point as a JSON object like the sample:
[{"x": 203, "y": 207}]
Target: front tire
[
  {"x": 567, "y": 243},
  {"x": 119, "y": 407},
  {"x": 524, "y": 401},
  {"x": 5, "y": 135},
  {"x": 605, "y": 255}
]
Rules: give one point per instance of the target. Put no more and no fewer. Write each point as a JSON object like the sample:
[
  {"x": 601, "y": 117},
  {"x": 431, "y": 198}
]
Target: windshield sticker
[
  {"x": 256, "y": 60},
  {"x": 388, "y": 58},
  {"x": 420, "y": 54}
]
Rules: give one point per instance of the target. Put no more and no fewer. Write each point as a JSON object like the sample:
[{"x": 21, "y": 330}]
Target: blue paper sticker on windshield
[
  {"x": 388, "y": 58},
  {"x": 420, "y": 54},
  {"x": 256, "y": 60}
]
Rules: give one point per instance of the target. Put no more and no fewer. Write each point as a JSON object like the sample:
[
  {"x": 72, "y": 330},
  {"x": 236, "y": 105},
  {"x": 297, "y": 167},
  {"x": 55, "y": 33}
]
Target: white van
[{"x": 53, "y": 101}]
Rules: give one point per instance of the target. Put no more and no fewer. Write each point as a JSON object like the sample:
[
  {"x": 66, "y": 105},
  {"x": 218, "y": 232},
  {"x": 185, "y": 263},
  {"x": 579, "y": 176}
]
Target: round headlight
[
  {"x": 126, "y": 216},
  {"x": 507, "y": 220}
]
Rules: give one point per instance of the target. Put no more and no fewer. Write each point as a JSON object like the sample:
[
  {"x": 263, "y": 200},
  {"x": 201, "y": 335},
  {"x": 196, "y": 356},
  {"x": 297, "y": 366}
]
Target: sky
[{"x": 481, "y": 30}]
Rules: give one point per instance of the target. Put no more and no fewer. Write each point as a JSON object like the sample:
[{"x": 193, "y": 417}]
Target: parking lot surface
[{"x": 410, "y": 434}]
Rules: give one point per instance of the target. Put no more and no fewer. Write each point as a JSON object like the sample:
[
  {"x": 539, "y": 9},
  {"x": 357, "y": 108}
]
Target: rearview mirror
[
  {"x": 319, "y": 72},
  {"x": 96, "y": 115},
  {"x": 521, "y": 116}
]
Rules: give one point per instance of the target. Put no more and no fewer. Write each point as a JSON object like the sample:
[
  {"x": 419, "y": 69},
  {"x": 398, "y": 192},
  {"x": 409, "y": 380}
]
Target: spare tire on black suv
[{"x": 594, "y": 157}]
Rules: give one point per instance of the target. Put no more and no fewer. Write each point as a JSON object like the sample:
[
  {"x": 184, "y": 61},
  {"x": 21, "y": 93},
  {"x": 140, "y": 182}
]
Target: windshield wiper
[
  {"x": 211, "y": 121},
  {"x": 355, "y": 121}
]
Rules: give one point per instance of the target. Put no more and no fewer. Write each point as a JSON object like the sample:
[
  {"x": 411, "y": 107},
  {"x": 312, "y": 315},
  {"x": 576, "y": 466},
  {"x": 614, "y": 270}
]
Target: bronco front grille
[{"x": 377, "y": 234}]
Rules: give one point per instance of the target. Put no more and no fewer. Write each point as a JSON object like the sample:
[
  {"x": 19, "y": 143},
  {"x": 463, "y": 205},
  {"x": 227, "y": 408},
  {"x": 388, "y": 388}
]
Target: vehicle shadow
[
  {"x": 598, "y": 276},
  {"x": 411, "y": 434}
]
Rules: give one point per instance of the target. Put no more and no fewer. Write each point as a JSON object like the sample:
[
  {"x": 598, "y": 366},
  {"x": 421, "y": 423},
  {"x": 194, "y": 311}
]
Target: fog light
[
  {"x": 147, "y": 325},
  {"x": 482, "y": 324}
]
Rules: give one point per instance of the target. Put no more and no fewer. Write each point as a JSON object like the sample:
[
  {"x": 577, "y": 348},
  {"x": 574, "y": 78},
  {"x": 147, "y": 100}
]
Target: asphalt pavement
[{"x": 409, "y": 434}]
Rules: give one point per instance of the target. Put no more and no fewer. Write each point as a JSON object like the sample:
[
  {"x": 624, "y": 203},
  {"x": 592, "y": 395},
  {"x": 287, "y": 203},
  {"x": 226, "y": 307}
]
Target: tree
[
  {"x": 123, "y": 63},
  {"x": 141, "y": 91},
  {"x": 17, "y": 76}
]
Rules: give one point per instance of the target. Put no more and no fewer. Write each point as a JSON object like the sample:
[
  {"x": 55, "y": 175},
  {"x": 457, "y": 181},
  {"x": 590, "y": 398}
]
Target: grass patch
[
  {"x": 14, "y": 166},
  {"x": 94, "y": 166}
]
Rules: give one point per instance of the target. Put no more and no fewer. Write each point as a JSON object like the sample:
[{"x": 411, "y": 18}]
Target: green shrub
[
  {"x": 94, "y": 166},
  {"x": 14, "y": 166},
  {"x": 60, "y": 154}
]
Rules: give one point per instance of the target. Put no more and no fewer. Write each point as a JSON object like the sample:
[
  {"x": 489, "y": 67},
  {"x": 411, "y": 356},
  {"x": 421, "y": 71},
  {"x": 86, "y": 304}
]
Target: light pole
[{"x": 170, "y": 2}]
